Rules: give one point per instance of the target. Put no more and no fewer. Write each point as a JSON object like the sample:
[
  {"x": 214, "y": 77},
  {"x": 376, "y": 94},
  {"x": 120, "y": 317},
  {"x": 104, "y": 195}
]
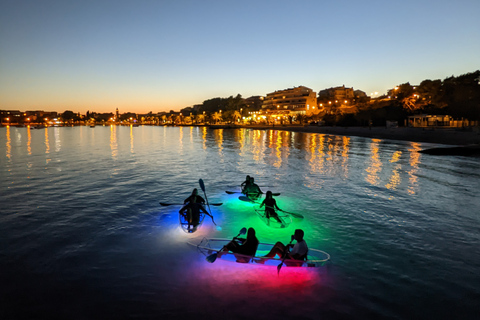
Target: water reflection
[
  {"x": 29, "y": 141},
  {"x": 47, "y": 142},
  {"x": 218, "y": 136},
  {"x": 180, "y": 141},
  {"x": 346, "y": 148},
  {"x": 8, "y": 145},
  {"x": 58, "y": 141},
  {"x": 240, "y": 139},
  {"x": 113, "y": 141},
  {"x": 204, "y": 138},
  {"x": 414, "y": 161},
  {"x": 258, "y": 143},
  {"x": 375, "y": 164},
  {"x": 131, "y": 139},
  {"x": 395, "y": 178}
]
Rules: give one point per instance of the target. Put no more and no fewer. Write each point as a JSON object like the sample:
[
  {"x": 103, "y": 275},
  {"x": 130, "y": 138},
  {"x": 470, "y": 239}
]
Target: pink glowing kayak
[{"x": 209, "y": 247}]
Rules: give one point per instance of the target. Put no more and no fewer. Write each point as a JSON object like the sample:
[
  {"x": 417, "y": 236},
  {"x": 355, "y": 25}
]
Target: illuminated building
[{"x": 297, "y": 101}]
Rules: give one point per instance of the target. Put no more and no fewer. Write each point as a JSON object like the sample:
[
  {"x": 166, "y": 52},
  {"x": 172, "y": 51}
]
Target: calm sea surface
[{"x": 82, "y": 234}]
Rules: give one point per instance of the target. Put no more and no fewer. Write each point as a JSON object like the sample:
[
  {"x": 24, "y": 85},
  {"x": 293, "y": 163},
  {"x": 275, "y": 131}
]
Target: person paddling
[
  {"x": 270, "y": 205},
  {"x": 253, "y": 190},
  {"x": 298, "y": 252},
  {"x": 193, "y": 205},
  {"x": 247, "y": 247},
  {"x": 245, "y": 184}
]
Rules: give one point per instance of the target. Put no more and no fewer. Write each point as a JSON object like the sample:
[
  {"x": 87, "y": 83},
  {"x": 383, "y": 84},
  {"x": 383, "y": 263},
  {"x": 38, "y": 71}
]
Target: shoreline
[{"x": 447, "y": 136}]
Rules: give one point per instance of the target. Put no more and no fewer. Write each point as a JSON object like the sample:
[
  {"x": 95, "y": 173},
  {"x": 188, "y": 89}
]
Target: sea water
[{"x": 83, "y": 236}]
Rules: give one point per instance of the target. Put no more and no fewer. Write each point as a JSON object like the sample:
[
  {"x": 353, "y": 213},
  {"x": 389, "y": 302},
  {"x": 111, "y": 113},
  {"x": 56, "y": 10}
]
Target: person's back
[
  {"x": 245, "y": 184},
  {"x": 253, "y": 190}
]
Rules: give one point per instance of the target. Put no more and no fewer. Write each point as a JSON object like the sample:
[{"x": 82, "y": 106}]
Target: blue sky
[{"x": 143, "y": 56}]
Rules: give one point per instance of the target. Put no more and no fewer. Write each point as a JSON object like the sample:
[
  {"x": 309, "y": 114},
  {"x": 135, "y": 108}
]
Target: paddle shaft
[
  {"x": 202, "y": 185},
  {"x": 284, "y": 257}
]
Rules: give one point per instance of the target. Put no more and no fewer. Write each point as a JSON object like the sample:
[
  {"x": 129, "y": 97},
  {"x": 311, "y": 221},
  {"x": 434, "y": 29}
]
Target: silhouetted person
[
  {"x": 253, "y": 190},
  {"x": 247, "y": 247},
  {"x": 270, "y": 205},
  {"x": 192, "y": 209},
  {"x": 298, "y": 252},
  {"x": 245, "y": 184}
]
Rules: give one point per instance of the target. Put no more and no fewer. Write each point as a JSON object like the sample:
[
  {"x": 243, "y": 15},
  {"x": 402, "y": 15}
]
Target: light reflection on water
[{"x": 392, "y": 219}]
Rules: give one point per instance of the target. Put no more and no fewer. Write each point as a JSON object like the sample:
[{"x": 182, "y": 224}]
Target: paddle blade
[
  {"x": 278, "y": 268},
  {"x": 216, "y": 204},
  {"x": 242, "y": 231},
  {"x": 202, "y": 185},
  {"x": 211, "y": 258},
  {"x": 247, "y": 199}
]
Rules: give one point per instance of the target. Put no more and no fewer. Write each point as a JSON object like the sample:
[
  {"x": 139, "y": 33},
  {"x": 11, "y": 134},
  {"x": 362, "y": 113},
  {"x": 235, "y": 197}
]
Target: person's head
[
  {"x": 247, "y": 178},
  {"x": 252, "y": 180},
  {"x": 269, "y": 194},
  {"x": 251, "y": 233},
  {"x": 195, "y": 192},
  {"x": 298, "y": 235}
]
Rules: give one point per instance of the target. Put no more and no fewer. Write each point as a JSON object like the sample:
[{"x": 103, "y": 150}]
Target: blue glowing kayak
[
  {"x": 315, "y": 258},
  {"x": 192, "y": 226}
]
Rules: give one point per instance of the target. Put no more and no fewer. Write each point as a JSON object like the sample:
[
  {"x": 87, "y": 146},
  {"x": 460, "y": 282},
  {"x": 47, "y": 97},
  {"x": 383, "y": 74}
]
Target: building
[
  {"x": 445, "y": 121},
  {"x": 254, "y": 103},
  {"x": 337, "y": 93},
  {"x": 296, "y": 100}
]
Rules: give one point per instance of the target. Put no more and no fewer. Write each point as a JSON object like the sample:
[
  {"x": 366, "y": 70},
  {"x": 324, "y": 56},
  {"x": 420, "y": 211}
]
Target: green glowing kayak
[{"x": 283, "y": 220}]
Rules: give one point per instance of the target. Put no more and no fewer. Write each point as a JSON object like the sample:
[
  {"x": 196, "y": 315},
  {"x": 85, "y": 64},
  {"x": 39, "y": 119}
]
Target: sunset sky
[{"x": 142, "y": 56}]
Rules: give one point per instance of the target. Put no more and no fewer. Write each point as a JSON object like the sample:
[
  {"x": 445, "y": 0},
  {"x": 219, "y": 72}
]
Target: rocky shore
[{"x": 449, "y": 136}]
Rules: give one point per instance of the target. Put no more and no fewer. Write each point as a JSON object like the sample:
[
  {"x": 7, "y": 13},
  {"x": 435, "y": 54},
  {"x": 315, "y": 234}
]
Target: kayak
[
  {"x": 271, "y": 222},
  {"x": 315, "y": 258},
  {"x": 189, "y": 227},
  {"x": 284, "y": 222}
]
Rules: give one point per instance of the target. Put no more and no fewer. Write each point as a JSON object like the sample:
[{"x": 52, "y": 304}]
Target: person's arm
[
  {"x": 275, "y": 205},
  {"x": 263, "y": 203}
]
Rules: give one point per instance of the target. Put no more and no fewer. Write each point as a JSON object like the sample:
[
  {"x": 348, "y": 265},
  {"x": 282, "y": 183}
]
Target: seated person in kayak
[
  {"x": 298, "y": 252},
  {"x": 245, "y": 184},
  {"x": 252, "y": 190},
  {"x": 270, "y": 205},
  {"x": 192, "y": 209},
  {"x": 247, "y": 247}
]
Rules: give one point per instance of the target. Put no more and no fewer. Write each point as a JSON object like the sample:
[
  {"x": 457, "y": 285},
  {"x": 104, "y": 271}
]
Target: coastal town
[{"x": 451, "y": 103}]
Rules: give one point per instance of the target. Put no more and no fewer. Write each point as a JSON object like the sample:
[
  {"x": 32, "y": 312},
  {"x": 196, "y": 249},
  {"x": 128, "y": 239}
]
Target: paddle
[
  {"x": 247, "y": 199},
  {"x": 181, "y": 204},
  {"x": 202, "y": 185},
  {"x": 296, "y": 215},
  {"x": 211, "y": 258},
  {"x": 233, "y": 192},
  {"x": 284, "y": 257}
]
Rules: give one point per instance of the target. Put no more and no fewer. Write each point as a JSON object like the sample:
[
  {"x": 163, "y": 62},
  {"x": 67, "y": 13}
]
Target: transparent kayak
[
  {"x": 315, "y": 258},
  {"x": 283, "y": 221},
  {"x": 190, "y": 227}
]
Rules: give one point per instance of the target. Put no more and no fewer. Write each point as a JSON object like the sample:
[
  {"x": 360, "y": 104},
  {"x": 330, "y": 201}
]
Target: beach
[{"x": 449, "y": 136}]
